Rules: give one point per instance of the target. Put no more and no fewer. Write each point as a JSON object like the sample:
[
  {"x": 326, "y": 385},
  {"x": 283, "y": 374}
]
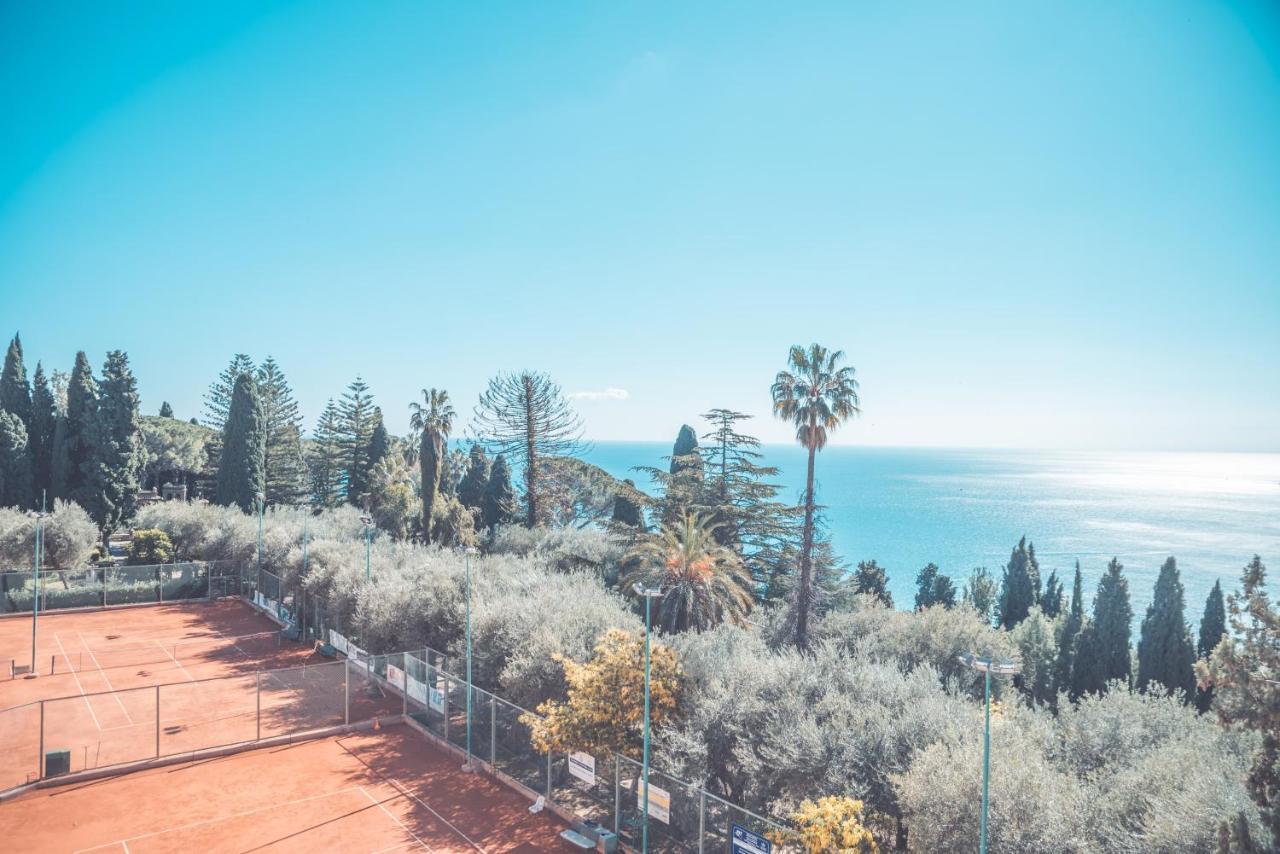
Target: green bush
[{"x": 149, "y": 546}]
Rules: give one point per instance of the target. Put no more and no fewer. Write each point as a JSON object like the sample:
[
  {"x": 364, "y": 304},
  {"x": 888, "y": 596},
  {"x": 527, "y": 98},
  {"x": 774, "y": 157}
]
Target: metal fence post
[
  {"x": 346, "y": 691},
  {"x": 446, "y": 707},
  {"x": 157, "y": 721},
  {"x": 702, "y": 819},
  {"x": 160, "y": 584},
  {"x": 258, "y": 694},
  {"x": 40, "y": 758},
  {"x": 617, "y": 795},
  {"x": 493, "y": 732},
  {"x": 549, "y": 775}
]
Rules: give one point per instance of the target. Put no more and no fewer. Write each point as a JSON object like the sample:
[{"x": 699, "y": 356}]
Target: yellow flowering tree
[
  {"x": 604, "y": 711},
  {"x": 832, "y": 825}
]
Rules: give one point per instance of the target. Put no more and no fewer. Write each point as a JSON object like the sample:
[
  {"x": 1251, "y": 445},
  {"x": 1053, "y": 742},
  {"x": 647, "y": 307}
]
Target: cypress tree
[
  {"x": 166, "y": 411},
  {"x": 15, "y": 393},
  {"x": 73, "y": 457},
  {"x": 1051, "y": 599},
  {"x": 1069, "y": 636},
  {"x": 1213, "y": 625},
  {"x": 240, "y": 472},
  {"x": 379, "y": 441},
  {"x": 40, "y": 435},
  {"x": 117, "y": 446},
  {"x": 285, "y": 471},
  {"x": 1019, "y": 587},
  {"x": 980, "y": 592},
  {"x": 471, "y": 487},
  {"x": 1087, "y": 675},
  {"x": 1112, "y": 621},
  {"x": 872, "y": 580},
  {"x": 325, "y": 459},
  {"x": 925, "y": 581},
  {"x": 355, "y": 427},
  {"x": 944, "y": 591},
  {"x": 15, "y": 462},
  {"x": 626, "y": 510},
  {"x": 498, "y": 505},
  {"x": 684, "y": 453},
  {"x": 1165, "y": 653},
  {"x": 217, "y": 400}
]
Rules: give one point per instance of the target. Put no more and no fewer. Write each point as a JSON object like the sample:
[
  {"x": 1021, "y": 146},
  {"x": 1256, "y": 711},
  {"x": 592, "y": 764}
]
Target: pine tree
[
  {"x": 498, "y": 505},
  {"x": 326, "y": 459},
  {"x": 925, "y": 580},
  {"x": 980, "y": 593},
  {"x": 15, "y": 393},
  {"x": 1019, "y": 587},
  {"x": 1069, "y": 636},
  {"x": 117, "y": 446},
  {"x": 166, "y": 411},
  {"x": 240, "y": 472},
  {"x": 44, "y": 423},
  {"x": 1051, "y": 599},
  {"x": 379, "y": 440},
  {"x": 872, "y": 580},
  {"x": 471, "y": 487},
  {"x": 1112, "y": 621},
  {"x": 1166, "y": 657},
  {"x": 285, "y": 471},
  {"x": 15, "y": 462},
  {"x": 1213, "y": 625},
  {"x": 217, "y": 401},
  {"x": 355, "y": 426},
  {"x": 73, "y": 457}
]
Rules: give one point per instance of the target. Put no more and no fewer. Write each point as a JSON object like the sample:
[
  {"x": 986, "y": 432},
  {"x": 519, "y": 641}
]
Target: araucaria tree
[
  {"x": 703, "y": 583},
  {"x": 284, "y": 471},
  {"x": 1165, "y": 655},
  {"x": 355, "y": 426},
  {"x": 817, "y": 395},
  {"x": 118, "y": 451},
  {"x": 325, "y": 459},
  {"x": 240, "y": 471},
  {"x": 432, "y": 420},
  {"x": 525, "y": 417}
]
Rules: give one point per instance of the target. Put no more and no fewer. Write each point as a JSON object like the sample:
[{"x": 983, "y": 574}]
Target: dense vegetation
[{"x": 795, "y": 687}]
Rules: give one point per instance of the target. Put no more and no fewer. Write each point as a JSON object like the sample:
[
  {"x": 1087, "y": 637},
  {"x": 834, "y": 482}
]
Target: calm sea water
[{"x": 961, "y": 509}]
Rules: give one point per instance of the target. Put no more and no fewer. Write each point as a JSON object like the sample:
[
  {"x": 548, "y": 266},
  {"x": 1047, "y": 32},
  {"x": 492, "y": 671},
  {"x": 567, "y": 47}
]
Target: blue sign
[{"x": 746, "y": 842}]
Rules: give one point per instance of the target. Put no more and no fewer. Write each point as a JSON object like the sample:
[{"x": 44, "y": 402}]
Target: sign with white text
[
  {"x": 583, "y": 766},
  {"x": 744, "y": 841},
  {"x": 659, "y": 802}
]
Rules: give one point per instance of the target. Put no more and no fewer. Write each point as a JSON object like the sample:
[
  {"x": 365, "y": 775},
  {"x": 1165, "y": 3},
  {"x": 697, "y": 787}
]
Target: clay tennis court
[
  {"x": 124, "y": 685},
  {"x": 391, "y": 790}
]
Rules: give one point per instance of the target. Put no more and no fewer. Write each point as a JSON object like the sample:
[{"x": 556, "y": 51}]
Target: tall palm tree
[
  {"x": 432, "y": 419},
  {"x": 703, "y": 582},
  {"x": 817, "y": 395}
]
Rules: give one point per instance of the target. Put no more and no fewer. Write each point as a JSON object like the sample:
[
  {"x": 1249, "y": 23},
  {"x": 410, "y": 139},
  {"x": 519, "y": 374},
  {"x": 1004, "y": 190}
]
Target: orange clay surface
[
  {"x": 223, "y": 679},
  {"x": 390, "y": 790}
]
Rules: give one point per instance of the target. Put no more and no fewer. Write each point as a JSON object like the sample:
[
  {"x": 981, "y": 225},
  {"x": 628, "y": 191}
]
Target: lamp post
[
  {"x": 649, "y": 594},
  {"x": 368, "y": 545},
  {"x": 35, "y": 581},
  {"x": 467, "y": 553},
  {"x": 986, "y": 667},
  {"x": 262, "y": 510}
]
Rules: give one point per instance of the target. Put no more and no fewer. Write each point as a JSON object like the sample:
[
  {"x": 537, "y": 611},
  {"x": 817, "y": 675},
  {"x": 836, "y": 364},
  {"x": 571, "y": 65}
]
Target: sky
[{"x": 1048, "y": 225}]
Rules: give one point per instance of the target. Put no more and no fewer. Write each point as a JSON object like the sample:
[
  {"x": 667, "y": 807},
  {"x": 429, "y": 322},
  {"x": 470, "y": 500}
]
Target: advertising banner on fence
[
  {"x": 583, "y": 766},
  {"x": 436, "y": 700},
  {"x": 659, "y": 802},
  {"x": 358, "y": 656},
  {"x": 416, "y": 690},
  {"x": 259, "y": 599},
  {"x": 395, "y": 676},
  {"x": 270, "y": 605},
  {"x": 337, "y": 641},
  {"x": 746, "y": 842}
]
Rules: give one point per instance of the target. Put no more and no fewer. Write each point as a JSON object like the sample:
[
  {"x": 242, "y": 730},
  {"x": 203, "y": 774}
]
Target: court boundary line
[
  {"x": 410, "y": 793},
  {"x": 227, "y": 817},
  {"x": 380, "y": 805},
  {"x": 174, "y": 659},
  {"x": 112, "y": 688},
  {"x": 80, "y": 687}
]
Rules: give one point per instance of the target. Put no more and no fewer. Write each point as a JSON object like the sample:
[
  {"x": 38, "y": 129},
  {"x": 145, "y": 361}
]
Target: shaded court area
[
  {"x": 387, "y": 790},
  {"x": 135, "y": 684}
]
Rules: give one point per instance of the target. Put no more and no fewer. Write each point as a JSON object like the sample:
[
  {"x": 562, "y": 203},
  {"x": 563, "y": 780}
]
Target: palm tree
[
  {"x": 817, "y": 396},
  {"x": 703, "y": 582},
  {"x": 433, "y": 419}
]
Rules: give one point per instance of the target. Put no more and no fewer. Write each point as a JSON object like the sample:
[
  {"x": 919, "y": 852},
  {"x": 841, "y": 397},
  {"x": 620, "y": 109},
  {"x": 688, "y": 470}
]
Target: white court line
[
  {"x": 190, "y": 678},
  {"x": 77, "y": 678},
  {"x": 125, "y": 846},
  {"x": 227, "y": 817},
  {"x": 391, "y": 816},
  {"x": 114, "y": 692},
  {"x": 427, "y": 806}
]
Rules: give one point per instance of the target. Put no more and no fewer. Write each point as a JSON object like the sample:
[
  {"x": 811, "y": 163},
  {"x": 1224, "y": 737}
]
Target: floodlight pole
[
  {"x": 262, "y": 510},
  {"x": 985, "y": 666},
  {"x": 467, "y": 553},
  {"x": 35, "y": 577},
  {"x": 368, "y": 546},
  {"x": 649, "y": 594}
]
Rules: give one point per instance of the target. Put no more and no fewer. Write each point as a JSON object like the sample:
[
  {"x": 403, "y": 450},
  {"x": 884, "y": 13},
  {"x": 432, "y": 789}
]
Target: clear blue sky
[{"x": 1044, "y": 225}]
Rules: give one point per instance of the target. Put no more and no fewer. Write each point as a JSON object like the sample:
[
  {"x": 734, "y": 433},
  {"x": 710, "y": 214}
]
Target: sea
[{"x": 965, "y": 508}]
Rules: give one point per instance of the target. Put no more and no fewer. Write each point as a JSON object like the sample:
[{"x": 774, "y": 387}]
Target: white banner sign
[
  {"x": 583, "y": 766},
  {"x": 358, "y": 656},
  {"x": 659, "y": 802},
  {"x": 416, "y": 690},
  {"x": 395, "y": 676},
  {"x": 436, "y": 700},
  {"x": 259, "y": 599},
  {"x": 337, "y": 641},
  {"x": 270, "y": 605}
]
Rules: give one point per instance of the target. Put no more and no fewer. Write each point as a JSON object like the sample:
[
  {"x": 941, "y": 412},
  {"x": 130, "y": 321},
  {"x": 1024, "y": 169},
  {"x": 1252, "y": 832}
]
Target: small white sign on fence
[
  {"x": 395, "y": 676},
  {"x": 583, "y": 766},
  {"x": 416, "y": 690},
  {"x": 337, "y": 641},
  {"x": 659, "y": 802},
  {"x": 270, "y": 605}
]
